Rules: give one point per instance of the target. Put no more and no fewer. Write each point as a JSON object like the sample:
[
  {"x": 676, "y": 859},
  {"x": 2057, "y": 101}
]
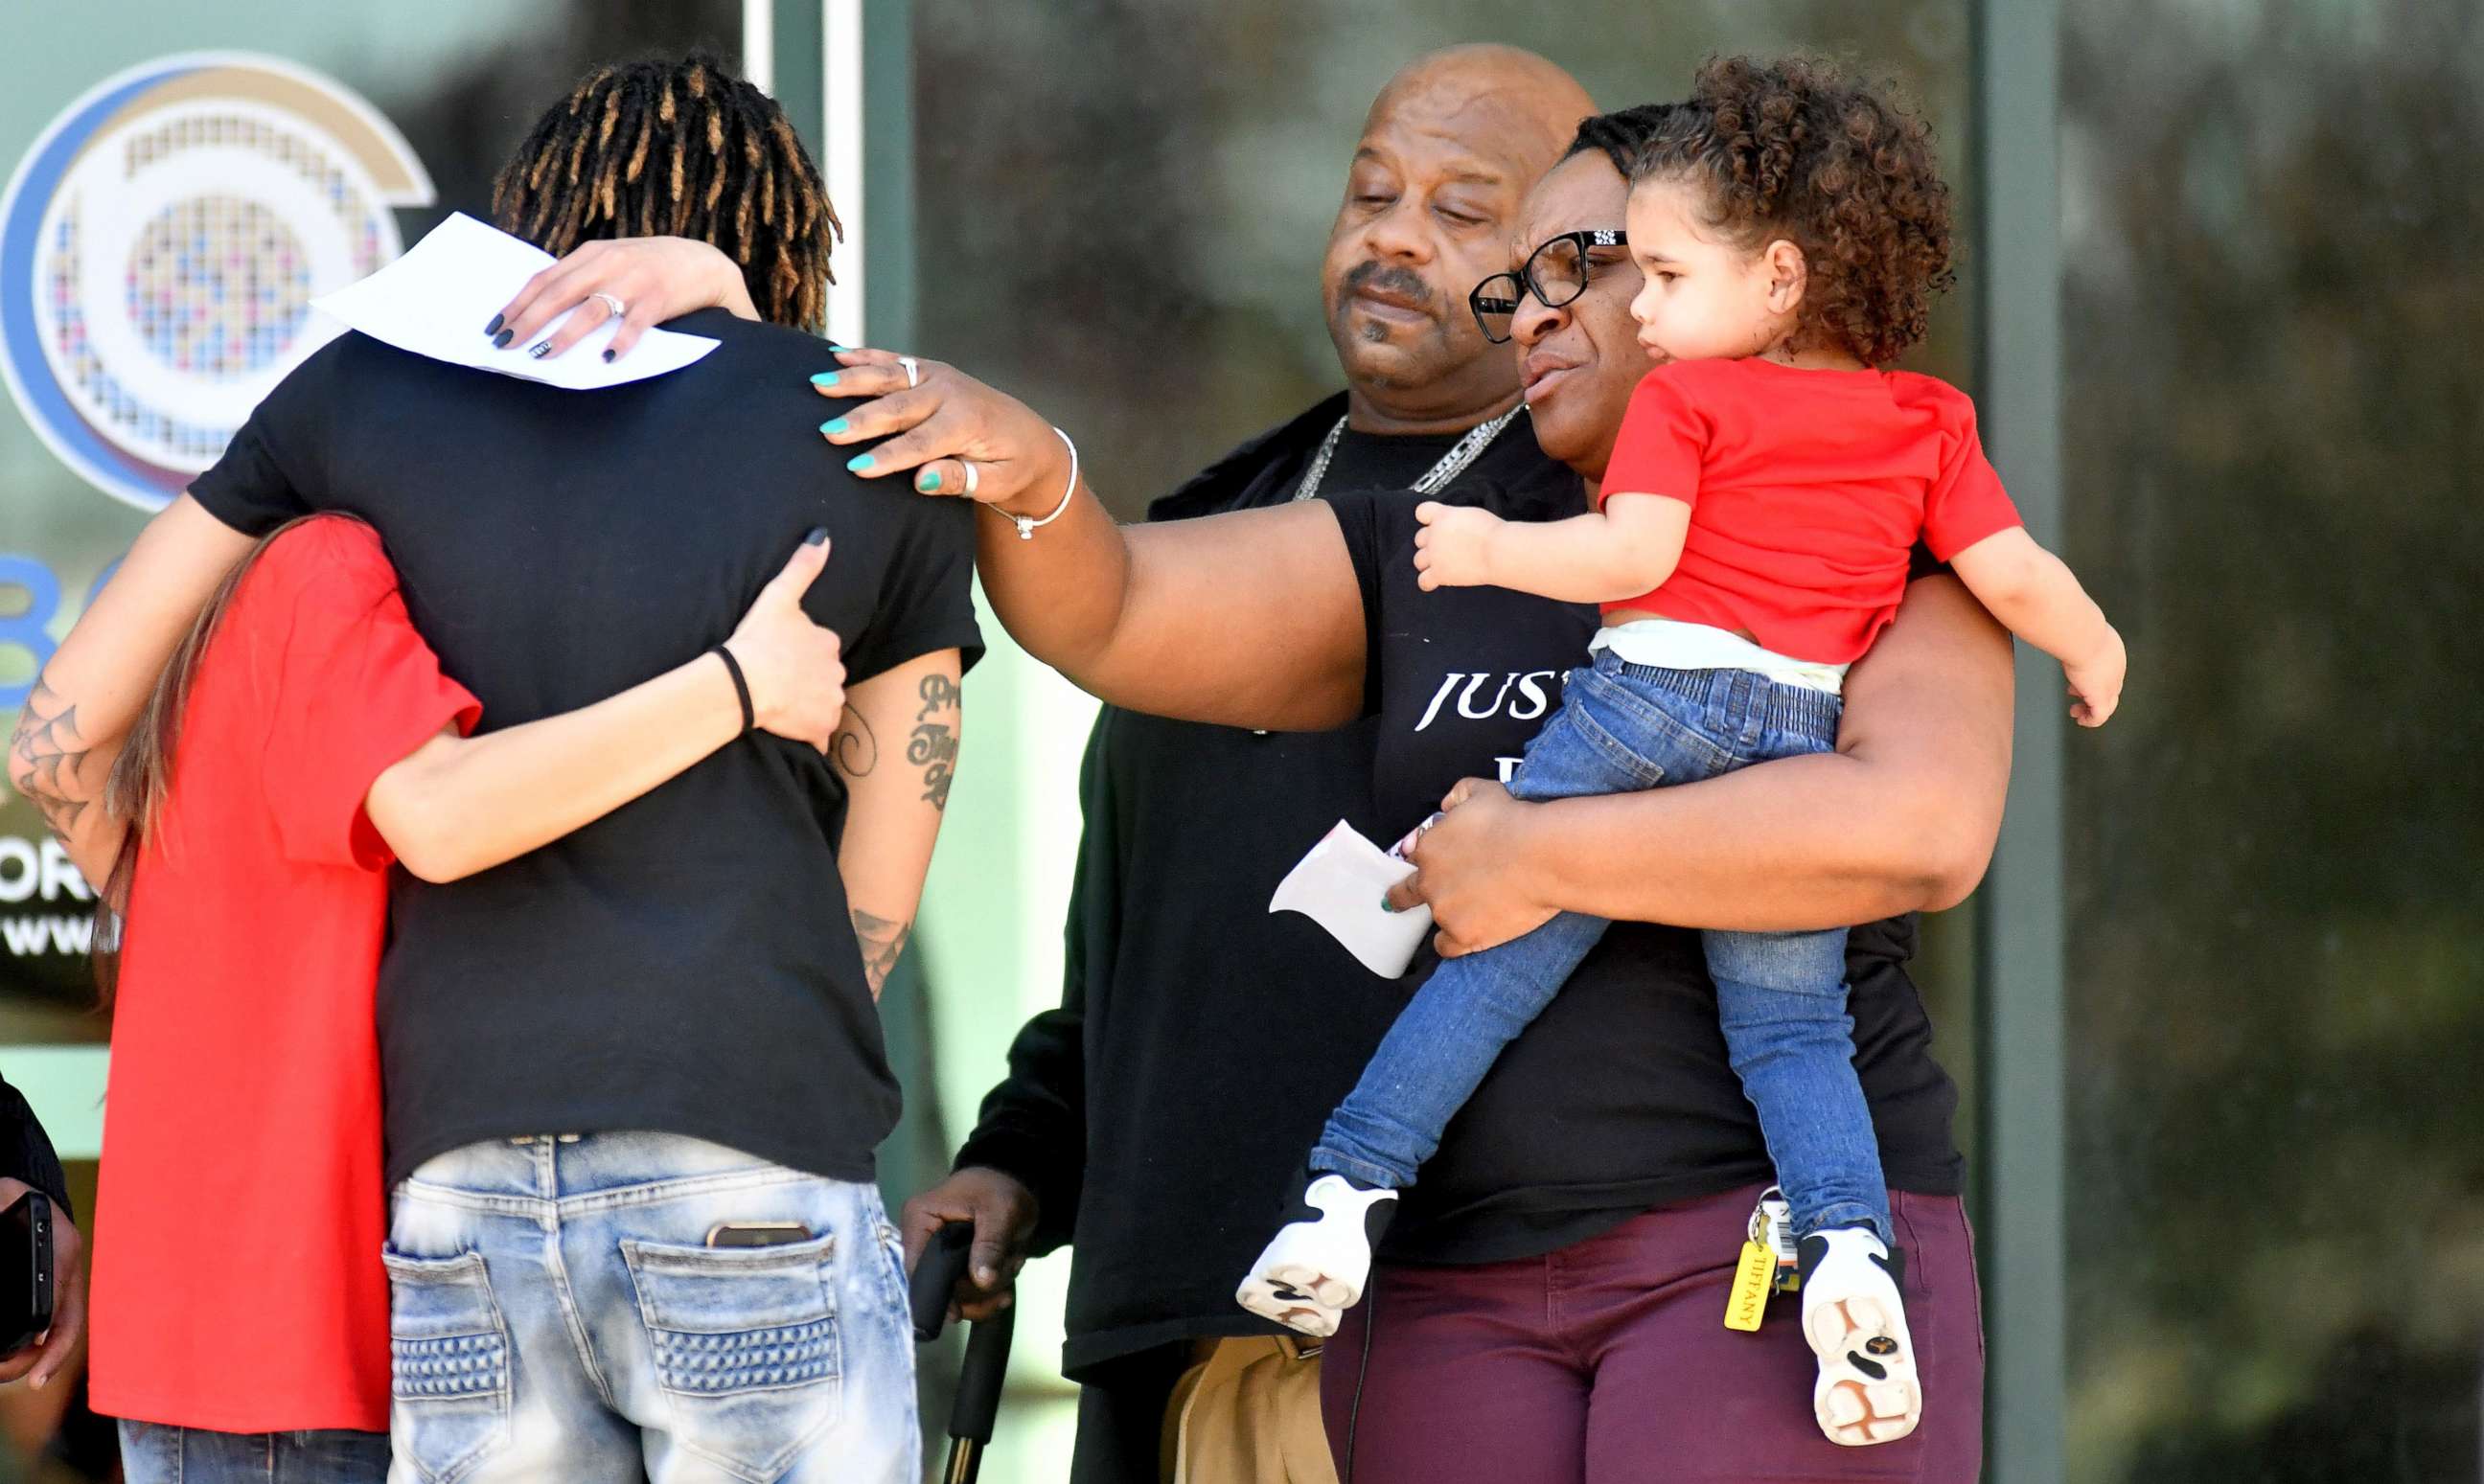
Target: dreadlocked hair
[
  {"x": 1794, "y": 148},
  {"x": 679, "y": 149}
]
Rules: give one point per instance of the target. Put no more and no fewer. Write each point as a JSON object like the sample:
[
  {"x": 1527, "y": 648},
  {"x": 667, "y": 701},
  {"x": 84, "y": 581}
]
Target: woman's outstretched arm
[
  {"x": 1249, "y": 619},
  {"x": 1245, "y": 620},
  {"x": 1900, "y": 818}
]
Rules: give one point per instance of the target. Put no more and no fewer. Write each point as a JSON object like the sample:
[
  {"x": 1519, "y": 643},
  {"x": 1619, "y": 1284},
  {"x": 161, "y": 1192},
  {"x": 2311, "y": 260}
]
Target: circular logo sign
[{"x": 159, "y": 249}]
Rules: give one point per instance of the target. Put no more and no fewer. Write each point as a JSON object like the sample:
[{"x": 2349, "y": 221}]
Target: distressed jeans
[
  {"x": 1780, "y": 996},
  {"x": 556, "y": 1313},
  {"x": 159, "y": 1453}
]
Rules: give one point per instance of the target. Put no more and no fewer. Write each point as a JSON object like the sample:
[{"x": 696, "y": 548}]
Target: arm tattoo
[
  {"x": 933, "y": 747},
  {"x": 856, "y": 748},
  {"x": 882, "y": 940},
  {"x": 45, "y": 756}
]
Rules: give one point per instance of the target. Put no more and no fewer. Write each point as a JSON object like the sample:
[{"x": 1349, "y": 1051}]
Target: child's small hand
[
  {"x": 2095, "y": 683},
  {"x": 1454, "y": 546}
]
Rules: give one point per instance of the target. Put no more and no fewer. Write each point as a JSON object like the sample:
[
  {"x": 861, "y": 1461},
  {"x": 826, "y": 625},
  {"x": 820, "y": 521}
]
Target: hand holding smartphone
[{"x": 27, "y": 1282}]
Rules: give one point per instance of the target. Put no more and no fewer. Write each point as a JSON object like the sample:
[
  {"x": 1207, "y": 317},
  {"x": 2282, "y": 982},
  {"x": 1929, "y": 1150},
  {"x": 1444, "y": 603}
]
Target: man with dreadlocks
[
  {"x": 633, "y": 1080},
  {"x": 1146, "y": 1121}
]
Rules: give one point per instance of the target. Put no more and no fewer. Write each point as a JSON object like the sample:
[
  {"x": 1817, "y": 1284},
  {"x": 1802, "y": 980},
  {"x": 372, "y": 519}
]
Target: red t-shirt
[
  {"x": 237, "y": 1232},
  {"x": 1808, "y": 490}
]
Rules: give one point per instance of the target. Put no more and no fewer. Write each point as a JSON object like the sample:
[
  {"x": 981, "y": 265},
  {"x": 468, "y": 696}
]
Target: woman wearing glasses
[{"x": 1549, "y": 1299}]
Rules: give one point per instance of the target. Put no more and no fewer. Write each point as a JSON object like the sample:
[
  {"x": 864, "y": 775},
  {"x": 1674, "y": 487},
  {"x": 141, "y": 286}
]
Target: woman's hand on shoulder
[
  {"x": 655, "y": 279},
  {"x": 937, "y": 421},
  {"x": 1468, "y": 869}
]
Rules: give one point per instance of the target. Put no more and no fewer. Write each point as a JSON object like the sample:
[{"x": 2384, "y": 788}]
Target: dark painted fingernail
[
  {"x": 818, "y": 535},
  {"x": 607, "y": 356},
  {"x": 825, "y": 379},
  {"x": 859, "y": 463},
  {"x": 504, "y": 338},
  {"x": 926, "y": 481},
  {"x": 834, "y": 426},
  {"x": 494, "y": 328},
  {"x": 1384, "y": 904},
  {"x": 539, "y": 349}
]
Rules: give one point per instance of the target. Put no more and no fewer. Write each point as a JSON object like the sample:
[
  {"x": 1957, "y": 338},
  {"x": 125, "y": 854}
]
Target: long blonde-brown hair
[{"x": 141, "y": 781}]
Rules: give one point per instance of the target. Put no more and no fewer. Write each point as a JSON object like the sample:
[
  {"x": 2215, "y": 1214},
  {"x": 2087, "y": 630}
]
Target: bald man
[{"x": 1157, "y": 1116}]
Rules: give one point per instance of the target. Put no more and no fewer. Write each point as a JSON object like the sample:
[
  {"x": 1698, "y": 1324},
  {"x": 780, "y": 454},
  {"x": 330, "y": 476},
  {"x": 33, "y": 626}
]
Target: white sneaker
[
  {"x": 1856, "y": 1323},
  {"x": 1318, "y": 1263}
]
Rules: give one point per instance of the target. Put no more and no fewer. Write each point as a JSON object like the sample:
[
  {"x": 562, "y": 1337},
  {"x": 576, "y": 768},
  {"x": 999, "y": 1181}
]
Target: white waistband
[{"x": 1671, "y": 645}]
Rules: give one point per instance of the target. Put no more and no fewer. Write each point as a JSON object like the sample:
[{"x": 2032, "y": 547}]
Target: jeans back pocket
[
  {"x": 448, "y": 1363},
  {"x": 745, "y": 1343}
]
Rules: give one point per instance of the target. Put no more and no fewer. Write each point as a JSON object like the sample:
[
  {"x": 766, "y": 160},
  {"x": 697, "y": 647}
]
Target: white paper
[
  {"x": 436, "y": 299},
  {"x": 1338, "y": 885}
]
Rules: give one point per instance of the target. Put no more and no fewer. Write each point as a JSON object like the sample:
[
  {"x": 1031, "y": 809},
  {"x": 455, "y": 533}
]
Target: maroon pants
[{"x": 1610, "y": 1361}]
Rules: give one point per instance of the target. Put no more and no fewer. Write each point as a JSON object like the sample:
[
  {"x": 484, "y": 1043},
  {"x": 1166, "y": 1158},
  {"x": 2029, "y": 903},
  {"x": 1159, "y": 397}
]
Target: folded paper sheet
[
  {"x": 1338, "y": 885},
  {"x": 436, "y": 299}
]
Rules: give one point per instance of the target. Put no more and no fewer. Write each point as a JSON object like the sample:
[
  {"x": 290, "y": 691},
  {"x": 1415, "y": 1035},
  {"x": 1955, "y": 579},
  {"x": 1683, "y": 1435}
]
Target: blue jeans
[
  {"x": 556, "y": 1313},
  {"x": 1781, "y": 996},
  {"x": 158, "y": 1454}
]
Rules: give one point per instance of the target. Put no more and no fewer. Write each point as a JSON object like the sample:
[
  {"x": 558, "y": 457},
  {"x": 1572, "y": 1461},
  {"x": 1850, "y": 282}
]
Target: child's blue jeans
[{"x": 1781, "y": 996}]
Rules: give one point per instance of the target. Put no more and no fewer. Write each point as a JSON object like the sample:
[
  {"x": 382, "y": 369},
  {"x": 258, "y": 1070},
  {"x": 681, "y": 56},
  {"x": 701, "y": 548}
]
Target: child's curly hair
[{"x": 1795, "y": 148}]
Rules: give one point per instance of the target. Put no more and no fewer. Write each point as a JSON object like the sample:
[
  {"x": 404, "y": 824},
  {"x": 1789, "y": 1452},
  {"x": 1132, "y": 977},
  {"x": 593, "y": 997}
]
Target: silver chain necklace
[{"x": 1452, "y": 464}]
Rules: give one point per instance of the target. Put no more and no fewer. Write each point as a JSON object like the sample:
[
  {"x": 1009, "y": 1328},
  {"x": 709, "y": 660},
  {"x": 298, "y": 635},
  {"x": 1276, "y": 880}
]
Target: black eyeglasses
[{"x": 1555, "y": 273}]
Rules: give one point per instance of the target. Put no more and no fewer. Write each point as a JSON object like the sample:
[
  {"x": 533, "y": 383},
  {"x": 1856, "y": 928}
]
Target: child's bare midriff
[{"x": 1614, "y": 618}]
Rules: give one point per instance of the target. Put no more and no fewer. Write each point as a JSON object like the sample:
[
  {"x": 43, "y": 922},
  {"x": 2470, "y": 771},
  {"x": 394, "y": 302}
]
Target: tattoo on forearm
[
  {"x": 934, "y": 747},
  {"x": 882, "y": 940},
  {"x": 45, "y": 756},
  {"x": 856, "y": 748}
]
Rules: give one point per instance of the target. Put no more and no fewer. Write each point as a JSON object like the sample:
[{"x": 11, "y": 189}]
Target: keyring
[
  {"x": 972, "y": 478},
  {"x": 914, "y": 372},
  {"x": 619, "y": 309}
]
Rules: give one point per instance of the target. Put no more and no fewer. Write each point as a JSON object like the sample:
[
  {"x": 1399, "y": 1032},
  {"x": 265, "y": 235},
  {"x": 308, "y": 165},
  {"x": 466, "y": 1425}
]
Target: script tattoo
[
  {"x": 856, "y": 748},
  {"x": 45, "y": 756},
  {"x": 883, "y": 941},
  {"x": 933, "y": 747}
]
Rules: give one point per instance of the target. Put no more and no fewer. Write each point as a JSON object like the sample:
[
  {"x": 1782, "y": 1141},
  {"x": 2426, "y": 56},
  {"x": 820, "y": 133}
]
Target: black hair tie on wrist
[{"x": 741, "y": 687}]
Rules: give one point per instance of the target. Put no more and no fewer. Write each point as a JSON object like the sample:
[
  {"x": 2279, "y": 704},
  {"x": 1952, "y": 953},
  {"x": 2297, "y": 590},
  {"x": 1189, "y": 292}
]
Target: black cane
[{"x": 987, "y": 1349}]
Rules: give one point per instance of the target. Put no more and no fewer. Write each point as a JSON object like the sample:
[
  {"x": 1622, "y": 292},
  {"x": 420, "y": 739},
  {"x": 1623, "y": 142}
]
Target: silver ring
[
  {"x": 972, "y": 477},
  {"x": 619, "y": 309},
  {"x": 914, "y": 372}
]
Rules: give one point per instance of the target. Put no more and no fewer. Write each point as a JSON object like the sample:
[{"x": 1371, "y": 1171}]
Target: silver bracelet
[{"x": 1026, "y": 525}]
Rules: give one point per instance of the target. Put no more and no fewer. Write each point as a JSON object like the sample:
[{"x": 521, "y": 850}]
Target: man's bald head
[
  {"x": 1448, "y": 149},
  {"x": 1500, "y": 99}
]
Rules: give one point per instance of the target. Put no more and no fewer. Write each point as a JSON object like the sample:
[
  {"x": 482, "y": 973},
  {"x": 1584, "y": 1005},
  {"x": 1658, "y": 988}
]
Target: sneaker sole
[
  {"x": 1282, "y": 1297},
  {"x": 1868, "y": 1391}
]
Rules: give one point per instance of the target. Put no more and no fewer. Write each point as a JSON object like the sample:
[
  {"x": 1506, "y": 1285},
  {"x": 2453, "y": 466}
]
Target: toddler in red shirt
[{"x": 1752, "y": 534}]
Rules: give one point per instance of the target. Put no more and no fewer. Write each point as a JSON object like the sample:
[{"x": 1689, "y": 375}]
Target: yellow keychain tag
[{"x": 1753, "y": 1277}]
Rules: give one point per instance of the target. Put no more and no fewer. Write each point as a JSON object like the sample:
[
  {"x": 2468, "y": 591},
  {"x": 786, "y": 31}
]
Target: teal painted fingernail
[
  {"x": 1384, "y": 904},
  {"x": 825, "y": 379},
  {"x": 834, "y": 426},
  {"x": 926, "y": 481},
  {"x": 859, "y": 463}
]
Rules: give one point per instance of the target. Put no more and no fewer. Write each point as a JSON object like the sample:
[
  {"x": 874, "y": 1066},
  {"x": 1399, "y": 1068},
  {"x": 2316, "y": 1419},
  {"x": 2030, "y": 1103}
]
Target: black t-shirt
[
  {"x": 1202, "y": 1041},
  {"x": 686, "y": 963},
  {"x": 1617, "y": 1099}
]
